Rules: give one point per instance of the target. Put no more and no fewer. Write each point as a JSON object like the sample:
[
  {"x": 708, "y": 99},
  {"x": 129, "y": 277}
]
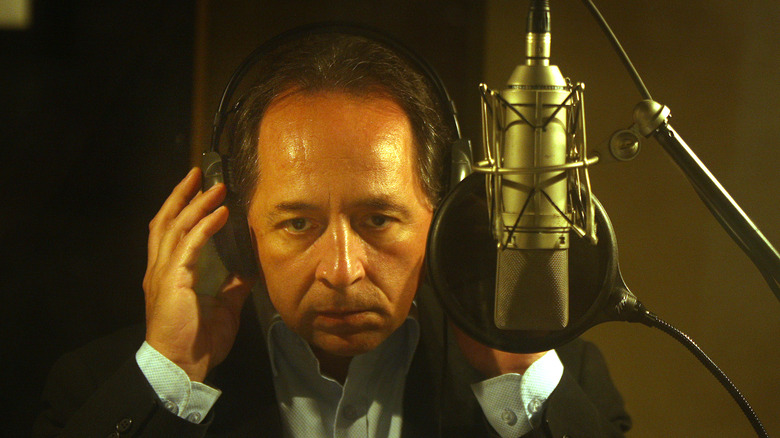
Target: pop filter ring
[{"x": 461, "y": 265}]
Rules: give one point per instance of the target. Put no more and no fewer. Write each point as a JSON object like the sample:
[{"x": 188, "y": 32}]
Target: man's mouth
[
  {"x": 340, "y": 313},
  {"x": 345, "y": 317}
]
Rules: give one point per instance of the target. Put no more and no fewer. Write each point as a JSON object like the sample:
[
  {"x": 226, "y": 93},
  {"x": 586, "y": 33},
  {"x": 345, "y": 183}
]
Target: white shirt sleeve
[
  {"x": 189, "y": 400},
  {"x": 513, "y": 403}
]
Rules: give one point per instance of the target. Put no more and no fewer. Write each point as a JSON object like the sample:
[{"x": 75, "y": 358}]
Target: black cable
[
  {"x": 650, "y": 319},
  {"x": 618, "y": 48}
]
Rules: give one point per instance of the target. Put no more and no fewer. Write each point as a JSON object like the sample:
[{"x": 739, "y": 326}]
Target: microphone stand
[
  {"x": 652, "y": 118},
  {"x": 730, "y": 216}
]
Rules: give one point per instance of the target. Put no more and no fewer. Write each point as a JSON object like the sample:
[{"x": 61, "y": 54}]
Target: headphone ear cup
[
  {"x": 458, "y": 163},
  {"x": 234, "y": 240},
  {"x": 234, "y": 243}
]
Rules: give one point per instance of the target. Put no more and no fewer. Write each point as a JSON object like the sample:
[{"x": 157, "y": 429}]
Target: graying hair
[{"x": 342, "y": 63}]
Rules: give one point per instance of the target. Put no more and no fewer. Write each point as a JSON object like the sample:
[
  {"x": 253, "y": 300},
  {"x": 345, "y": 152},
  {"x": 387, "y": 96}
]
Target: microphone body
[{"x": 530, "y": 223}]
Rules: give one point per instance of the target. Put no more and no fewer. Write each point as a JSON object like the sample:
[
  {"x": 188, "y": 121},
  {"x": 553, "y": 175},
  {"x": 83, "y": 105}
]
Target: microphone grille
[{"x": 532, "y": 289}]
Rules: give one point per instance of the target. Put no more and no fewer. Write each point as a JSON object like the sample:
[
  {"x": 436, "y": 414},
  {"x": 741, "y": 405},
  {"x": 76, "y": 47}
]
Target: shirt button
[
  {"x": 194, "y": 417},
  {"x": 124, "y": 425},
  {"x": 508, "y": 417},
  {"x": 171, "y": 407},
  {"x": 534, "y": 406}
]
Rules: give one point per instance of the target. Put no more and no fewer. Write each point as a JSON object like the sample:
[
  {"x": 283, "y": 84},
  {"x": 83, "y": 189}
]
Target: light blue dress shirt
[{"x": 370, "y": 403}]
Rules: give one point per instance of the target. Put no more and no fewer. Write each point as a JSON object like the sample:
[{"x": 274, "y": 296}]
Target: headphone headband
[{"x": 220, "y": 117}]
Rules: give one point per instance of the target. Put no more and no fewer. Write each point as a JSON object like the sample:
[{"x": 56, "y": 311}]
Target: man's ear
[
  {"x": 253, "y": 238},
  {"x": 211, "y": 271},
  {"x": 260, "y": 299}
]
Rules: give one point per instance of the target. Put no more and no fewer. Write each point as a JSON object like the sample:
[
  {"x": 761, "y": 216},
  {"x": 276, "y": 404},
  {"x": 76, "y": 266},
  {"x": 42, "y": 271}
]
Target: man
[{"x": 340, "y": 158}]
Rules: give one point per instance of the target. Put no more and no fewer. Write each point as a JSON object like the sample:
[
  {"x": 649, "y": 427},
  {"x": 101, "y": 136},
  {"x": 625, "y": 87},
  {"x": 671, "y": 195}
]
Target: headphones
[{"x": 234, "y": 242}]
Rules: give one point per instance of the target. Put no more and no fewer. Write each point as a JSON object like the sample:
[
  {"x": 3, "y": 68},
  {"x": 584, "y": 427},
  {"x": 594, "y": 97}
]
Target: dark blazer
[{"x": 99, "y": 391}]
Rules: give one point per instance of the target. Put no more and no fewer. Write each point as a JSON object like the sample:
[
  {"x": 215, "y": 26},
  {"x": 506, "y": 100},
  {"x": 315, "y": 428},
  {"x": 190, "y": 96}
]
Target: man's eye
[
  {"x": 378, "y": 221},
  {"x": 298, "y": 225}
]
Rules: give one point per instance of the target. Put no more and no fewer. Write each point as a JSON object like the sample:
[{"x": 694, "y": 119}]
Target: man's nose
[{"x": 342, "y": 257}]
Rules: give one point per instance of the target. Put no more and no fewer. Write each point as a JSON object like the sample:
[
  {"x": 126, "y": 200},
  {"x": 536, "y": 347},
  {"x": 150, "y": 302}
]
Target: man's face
[{"x": 340, "y": 217}]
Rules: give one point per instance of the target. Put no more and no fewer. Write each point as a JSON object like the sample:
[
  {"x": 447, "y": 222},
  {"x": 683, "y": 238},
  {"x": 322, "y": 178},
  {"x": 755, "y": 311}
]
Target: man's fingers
[
  {"x": 178, "y": 199},
  {"x": 200, "y": 207},
  {"x": 189, "y": 246}
]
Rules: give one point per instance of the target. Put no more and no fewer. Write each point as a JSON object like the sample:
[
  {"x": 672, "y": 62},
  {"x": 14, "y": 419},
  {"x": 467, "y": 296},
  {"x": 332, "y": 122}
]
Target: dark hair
[{"x": 343, "y": 63}]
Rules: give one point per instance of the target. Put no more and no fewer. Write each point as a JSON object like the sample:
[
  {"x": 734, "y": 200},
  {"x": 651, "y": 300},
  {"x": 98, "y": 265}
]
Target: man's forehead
[
  {"x": 311, "y": 144},
  {"x": 313, "y": 126}
]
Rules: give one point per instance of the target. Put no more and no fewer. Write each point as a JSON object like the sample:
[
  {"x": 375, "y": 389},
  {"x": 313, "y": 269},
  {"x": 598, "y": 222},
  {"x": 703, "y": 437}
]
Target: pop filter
[{"x": 461, "y": 263}]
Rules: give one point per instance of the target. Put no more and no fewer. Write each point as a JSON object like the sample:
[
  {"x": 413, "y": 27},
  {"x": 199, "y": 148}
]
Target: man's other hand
[{"x": 491, "y": 362}]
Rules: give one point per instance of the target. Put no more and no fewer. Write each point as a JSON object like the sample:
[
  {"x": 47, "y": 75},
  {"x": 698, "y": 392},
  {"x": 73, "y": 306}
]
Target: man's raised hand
[{"x": 196, "y": 332}]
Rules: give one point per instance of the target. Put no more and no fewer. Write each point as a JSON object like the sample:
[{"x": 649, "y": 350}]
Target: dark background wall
[
  {"x": 104, "y": 104},
  {"x": 95, "y": 125}
]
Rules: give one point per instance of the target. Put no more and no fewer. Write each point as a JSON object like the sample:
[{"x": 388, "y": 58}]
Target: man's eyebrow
[
  {"x": 383, "y": 203},
  {"x": 294, "y": 206},
  {"x": 289, "y": 207},
  {"x": 374, "y": 203}
]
